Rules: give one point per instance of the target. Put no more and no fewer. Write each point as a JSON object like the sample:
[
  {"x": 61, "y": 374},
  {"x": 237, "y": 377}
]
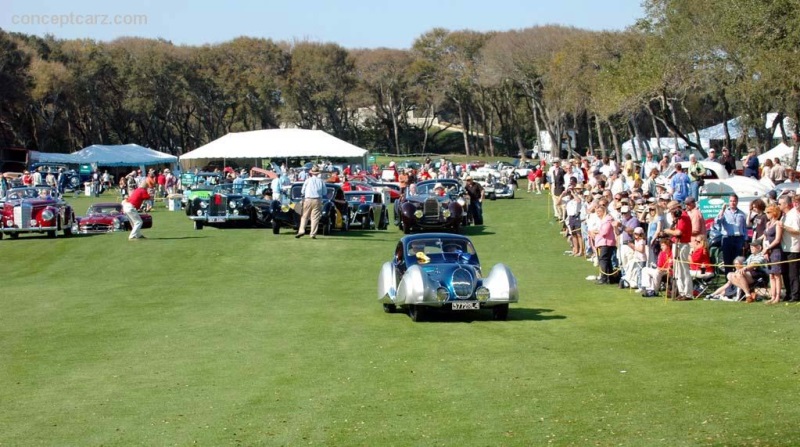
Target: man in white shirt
[{"x": 649, "y": 165}]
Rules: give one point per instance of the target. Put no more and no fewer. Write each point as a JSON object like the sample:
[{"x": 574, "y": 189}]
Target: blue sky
[{"x": 350, "y": 23}]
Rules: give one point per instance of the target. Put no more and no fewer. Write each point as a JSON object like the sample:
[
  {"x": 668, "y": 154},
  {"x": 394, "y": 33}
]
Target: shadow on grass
[
  {"x": 514, "y": 314},
  {"x": 474, "y": 230}
]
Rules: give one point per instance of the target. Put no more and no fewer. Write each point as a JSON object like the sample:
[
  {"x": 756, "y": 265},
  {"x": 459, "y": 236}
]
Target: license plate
[
  {"x": 466, "y": 306},
  {"x": 216, "y": 219}
]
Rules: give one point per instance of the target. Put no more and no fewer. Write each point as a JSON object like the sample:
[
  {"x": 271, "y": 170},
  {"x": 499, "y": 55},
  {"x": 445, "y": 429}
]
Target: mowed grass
[{"x": 241, "y": 337}]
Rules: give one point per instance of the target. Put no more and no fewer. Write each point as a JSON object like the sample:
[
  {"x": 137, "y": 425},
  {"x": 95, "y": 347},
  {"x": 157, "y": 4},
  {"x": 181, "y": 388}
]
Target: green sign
[
  {"x": 371, "y": 159},
  {"x": 711, "y": 204}
]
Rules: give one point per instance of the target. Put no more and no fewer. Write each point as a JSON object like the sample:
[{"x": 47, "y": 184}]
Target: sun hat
[
  {"x": 638, "y": 230},
  {"x": 625, "y": 209},
  {"x": 664, "y": 197},
  {"x": 314, "y": 170}
]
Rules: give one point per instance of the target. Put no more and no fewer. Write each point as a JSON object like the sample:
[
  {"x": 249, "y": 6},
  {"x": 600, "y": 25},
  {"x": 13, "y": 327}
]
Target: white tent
[
  {"x": 717, "y": 131},
  {"x": 276, "y": 143},
  {"x": 781, "y": 151},
  {"x": 111, "y": 156}
]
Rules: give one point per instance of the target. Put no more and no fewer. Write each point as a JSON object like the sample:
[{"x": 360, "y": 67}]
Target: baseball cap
[
  {"x": 664, "y": 197},
  {"x": 625, "y": 209}
]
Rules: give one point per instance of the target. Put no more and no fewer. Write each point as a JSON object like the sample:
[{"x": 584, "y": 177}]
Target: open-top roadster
[
  {"x": 35, "y": 210},
  {"x": 439, "y": 270},
  {"x": 108, "y": 217}
]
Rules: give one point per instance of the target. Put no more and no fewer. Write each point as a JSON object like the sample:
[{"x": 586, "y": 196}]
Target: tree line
[{"x": 685, "y": 65}]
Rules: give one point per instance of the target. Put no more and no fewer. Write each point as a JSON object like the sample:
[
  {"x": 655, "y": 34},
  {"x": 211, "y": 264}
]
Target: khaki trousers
[{"x": 312, "y": 208}]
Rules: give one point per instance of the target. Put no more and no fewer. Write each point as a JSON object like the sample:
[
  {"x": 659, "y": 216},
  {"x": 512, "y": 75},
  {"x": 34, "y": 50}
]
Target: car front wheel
[
  {"x": 417, "y": 313},
  {"x": 389, "y": 308},
  {"x": 500, "y": 313},
  {"x": 198, "y": 225}
]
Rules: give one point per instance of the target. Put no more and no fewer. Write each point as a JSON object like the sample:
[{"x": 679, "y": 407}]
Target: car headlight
[
  {"x": 442, "y": 294},
  {"x": 446, "y": 213},
  {"x": 199, "y": 212},
  {"x": 48, "y": 215},
  {"x": 418, "y": 214},
  {"x": 285, "y": 208},
  {"x": 233, "y": 204},
  {"x": 461, "y": 202},
  {"x": 203, "y": 205},
  {"x": 482, "y": 294},
  {"x": 235, "y": 212}
]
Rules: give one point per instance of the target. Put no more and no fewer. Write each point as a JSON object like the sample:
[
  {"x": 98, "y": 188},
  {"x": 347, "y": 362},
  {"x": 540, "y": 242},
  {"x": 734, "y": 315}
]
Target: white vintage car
[
  {"x": 494, "y": 187},
  {"x": 719, "y": 185}
]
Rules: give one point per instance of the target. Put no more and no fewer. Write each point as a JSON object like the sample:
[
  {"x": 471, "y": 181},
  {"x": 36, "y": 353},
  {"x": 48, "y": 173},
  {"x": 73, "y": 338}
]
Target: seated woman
[
  {"x": 700, "y": 265},
  {"x": 745, "y": 273},
  {"x": 652, "y": 276}
]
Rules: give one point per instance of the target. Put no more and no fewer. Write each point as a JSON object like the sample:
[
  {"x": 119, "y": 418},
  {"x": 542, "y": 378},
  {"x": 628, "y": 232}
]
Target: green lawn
[{"x": 241, "y": 337}]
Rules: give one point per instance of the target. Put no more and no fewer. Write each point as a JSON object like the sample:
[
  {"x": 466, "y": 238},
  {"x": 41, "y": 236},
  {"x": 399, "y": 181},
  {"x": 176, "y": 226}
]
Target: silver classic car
[{"x": 439, "y": 270}]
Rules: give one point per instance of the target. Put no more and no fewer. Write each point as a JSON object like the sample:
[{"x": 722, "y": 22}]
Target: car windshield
[
  {"x": 111, "y": 209},
  {"x": 438, "y": 250},
  {"x": 360, "y": 198},
  {"x": 429, "y": 188},
  {"x": 29, "y": 193}
]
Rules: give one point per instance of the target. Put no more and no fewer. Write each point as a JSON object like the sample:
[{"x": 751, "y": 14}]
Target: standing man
[
  {"x": 680, "y": 186},
  {"x": 696, "y": 173},
  {"x": 734, "y": 228},
  {"x": 751, "y": 165},
  {"x": 476, "y": 194},
  {"x": 681, "y": 234},
  {"x": 649, "y": 165},
  {"x": 130, "y": 207},
  {"x": 313, "y": 191},
  {"x": 790, "y": 244},
  {"x": 727, "y": 160},
  {"x": 557, "y": 188},
  {"x": 696, "y": 216}
]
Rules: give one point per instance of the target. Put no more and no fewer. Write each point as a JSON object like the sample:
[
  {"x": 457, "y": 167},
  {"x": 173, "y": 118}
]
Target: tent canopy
[
  {"x": 121, "y": 155},
  {"x": 717, "y": 131},
  {"x": 276, "y": 143}
]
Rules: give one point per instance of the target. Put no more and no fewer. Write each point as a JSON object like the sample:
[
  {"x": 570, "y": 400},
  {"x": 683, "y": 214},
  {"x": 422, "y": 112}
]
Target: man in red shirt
[
  {"x": 130, "y": 207},
  {"x": 681, "y": 233}
]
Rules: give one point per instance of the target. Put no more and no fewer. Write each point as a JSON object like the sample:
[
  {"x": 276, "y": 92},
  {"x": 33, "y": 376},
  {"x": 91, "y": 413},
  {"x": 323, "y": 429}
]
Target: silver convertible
[{"x": 439, "y": 270}]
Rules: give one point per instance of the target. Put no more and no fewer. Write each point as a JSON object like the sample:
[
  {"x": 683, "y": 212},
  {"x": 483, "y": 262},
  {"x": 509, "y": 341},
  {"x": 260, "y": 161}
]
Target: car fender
[
  {"x": 502, "y": 284},
  {"x": 416, "y": 288},
  {"x": 386, "y": 283}
]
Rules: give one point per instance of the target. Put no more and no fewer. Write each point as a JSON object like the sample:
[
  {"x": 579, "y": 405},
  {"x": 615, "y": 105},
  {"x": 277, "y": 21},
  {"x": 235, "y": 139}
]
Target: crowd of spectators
[{"x": 647, "y": 232}]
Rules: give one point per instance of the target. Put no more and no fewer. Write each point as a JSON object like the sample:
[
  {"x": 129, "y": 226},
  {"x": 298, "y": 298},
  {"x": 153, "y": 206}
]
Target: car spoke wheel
[
  {"x": 198, "y": 225},
  {"x": 389, "y": 308},
  {"x": 417, "y": 313},
  {"x": 276, "y": 227},
  {"x": 326, "y": 228},
  {"x": 346, "y": 223},
  {"x": 500, "y": 313}
]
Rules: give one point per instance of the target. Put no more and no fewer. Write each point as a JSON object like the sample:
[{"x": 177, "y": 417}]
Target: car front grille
[
  {"x": 218, "y": 206},
  {"x": 462, "y": 283},
  {"x": 430, "y": 208},
  {"x": 22, "y": 215},
  {"x": 96, "y": 228}
]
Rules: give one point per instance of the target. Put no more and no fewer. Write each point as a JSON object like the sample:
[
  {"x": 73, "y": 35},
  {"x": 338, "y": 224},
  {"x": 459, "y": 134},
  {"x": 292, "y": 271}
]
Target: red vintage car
[
  {"x": 107, "y": 218},
  {"x": 35, "y": 210}
]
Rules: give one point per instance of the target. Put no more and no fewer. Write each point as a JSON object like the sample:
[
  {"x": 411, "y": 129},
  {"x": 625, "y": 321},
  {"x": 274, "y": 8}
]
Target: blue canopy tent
[{"x": 111, "y": 156}]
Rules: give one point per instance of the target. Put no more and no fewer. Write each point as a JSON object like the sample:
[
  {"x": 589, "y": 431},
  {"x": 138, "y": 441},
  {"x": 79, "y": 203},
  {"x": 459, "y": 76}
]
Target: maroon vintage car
[
  {"x": 107, "y": 218},
  {"x": 35, "y": 210}
]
